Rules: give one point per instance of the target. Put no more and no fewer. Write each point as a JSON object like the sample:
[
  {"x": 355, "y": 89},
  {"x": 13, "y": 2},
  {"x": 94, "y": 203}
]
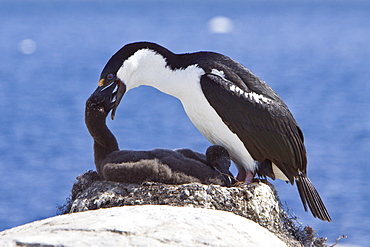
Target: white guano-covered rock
[{"x": 146, "y": 225}]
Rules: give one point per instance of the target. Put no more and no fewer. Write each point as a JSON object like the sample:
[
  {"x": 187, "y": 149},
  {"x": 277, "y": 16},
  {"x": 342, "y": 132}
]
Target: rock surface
[
  {"x": 256, "y": 201},
  {"x": 147, "y": 225},
  {"x": 155, "y": 214}
]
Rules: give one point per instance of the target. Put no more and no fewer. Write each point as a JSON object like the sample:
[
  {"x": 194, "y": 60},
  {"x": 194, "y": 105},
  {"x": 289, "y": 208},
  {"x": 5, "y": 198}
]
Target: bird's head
[
  {"x": 219, "y": 158},
  {"x": 122, "y": 67},
  {"x": 103, "y": 98},
  {"x": 118, "y": 70},
  {"x": 106, "y": 83}
]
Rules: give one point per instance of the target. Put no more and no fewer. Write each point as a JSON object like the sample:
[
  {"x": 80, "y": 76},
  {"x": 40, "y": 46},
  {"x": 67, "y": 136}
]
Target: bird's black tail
[{"x": 311, "y": 197}]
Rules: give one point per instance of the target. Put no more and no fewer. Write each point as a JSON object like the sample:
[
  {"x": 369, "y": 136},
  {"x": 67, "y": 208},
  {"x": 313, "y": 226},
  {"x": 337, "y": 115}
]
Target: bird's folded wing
[{"x": 266, "y": 127}]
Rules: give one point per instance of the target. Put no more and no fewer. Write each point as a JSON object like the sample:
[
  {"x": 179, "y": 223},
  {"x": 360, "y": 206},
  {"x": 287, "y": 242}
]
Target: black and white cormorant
[
  {"x": 158, "y": 165},
  {"x": 229, "y": 105}
]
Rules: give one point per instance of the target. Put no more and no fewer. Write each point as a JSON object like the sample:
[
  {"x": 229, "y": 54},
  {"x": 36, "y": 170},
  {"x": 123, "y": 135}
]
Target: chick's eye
[{"x": 110, "y": 76}]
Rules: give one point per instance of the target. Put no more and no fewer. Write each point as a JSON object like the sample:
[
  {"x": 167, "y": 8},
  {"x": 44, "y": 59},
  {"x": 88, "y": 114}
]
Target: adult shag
[{"x": 229, "y": 105}]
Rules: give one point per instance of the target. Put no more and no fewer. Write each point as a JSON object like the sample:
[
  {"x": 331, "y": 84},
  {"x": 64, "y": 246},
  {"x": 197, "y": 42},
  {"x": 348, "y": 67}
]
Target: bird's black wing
[{"x": 265, "y": 125}]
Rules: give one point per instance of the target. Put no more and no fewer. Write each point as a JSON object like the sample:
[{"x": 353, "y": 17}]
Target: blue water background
[{"x": 315, "y": 54}]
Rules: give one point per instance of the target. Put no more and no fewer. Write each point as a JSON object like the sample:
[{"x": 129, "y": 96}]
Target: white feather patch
[
  {"x": 252, "y": 96},
  {"x": 219, "y": 73}
]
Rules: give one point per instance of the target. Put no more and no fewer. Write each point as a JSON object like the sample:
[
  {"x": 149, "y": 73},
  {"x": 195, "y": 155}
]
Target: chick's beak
[
  {"x": 121, "y": 90},
  {"x": 116, "y": 95}
]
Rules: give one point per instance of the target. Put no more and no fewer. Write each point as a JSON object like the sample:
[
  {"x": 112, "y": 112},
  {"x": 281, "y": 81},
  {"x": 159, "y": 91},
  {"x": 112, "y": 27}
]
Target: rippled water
[{"x": 315, "y": 55}]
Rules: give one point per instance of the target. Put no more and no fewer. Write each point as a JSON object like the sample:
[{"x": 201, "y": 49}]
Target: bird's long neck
[{"x": 104, "y": 140}]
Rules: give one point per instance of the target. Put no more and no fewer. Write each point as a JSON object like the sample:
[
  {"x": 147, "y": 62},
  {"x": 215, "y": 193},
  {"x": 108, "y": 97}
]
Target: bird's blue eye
[{"x": 110, "y": 76}]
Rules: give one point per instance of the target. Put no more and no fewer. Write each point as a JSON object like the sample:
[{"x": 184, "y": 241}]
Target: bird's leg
[
  {"x": 249, "y": 177},
  {"x": 241, "y": 175},
  {"x": 245, "y": 176}
]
